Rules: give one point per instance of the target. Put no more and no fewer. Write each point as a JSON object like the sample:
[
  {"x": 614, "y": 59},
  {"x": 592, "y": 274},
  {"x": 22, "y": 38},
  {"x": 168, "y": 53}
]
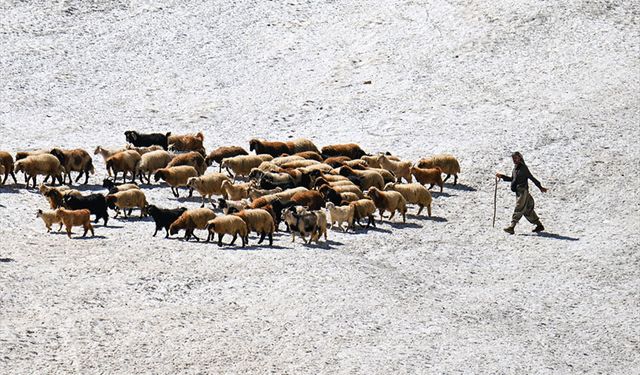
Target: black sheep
[
  {"x": 95, "y": 203},
  {"x": 146, "y": 140},
  {"x": 164, "y": 217}
]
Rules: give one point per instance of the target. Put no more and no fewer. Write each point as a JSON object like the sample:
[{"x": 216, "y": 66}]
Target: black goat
[
  {"x": 164, "y": 217},
  {"x": 95, "y": 203},
  {"x": 146, "y": 140}
]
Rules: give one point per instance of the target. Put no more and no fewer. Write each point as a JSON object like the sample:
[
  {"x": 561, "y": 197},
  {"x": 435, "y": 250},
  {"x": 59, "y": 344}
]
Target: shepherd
[{"x": 524, "y": 201}]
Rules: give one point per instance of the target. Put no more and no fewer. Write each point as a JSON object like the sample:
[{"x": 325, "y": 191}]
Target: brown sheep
[
  {"x": 350, "y": 150},
  {"x": 224, "y": 152},
  {"x": 260, "y": 221},
  {"x": 431, "y": 176},
  {"x": 363, "y": 208},
  {"x": 278, "y": 148},
  {"x": 447, "y": 163},
  {"x": 228, "y": 224},
  {"x": 176, "y": 177},
  {"x": 6, "y": 160},
  {"x": 186, "y": 142},
  {"x": 190, "y": 220},
  {"x": 125, "y": 162},
  {"x": 76, "y": 160},
  {"x": 42, "y": 164},
  {"x": 391, "y": 201},
  {"x": 75, "y": 218},
  {"x": 311, "y": 155},
  {"x": 25, "y": 154},
  {"x": 311, "y": 199},
  {"x": 402, "y": 169},
  {"x": 193, "y": 158},
  {"x": 336, "y": 161},
  {"x": 366, "y": 179},
  {"x": 413, "y": 193}
]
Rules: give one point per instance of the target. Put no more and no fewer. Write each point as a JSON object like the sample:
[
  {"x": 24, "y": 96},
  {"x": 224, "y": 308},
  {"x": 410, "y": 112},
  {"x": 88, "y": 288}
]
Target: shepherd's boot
[
  {"x": 539, "y": 227},
  {"x": 510, "y": 229}
]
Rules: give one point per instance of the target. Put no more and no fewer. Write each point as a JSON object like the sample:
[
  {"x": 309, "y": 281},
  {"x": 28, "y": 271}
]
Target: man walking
[{"x": 524, "y": 201}]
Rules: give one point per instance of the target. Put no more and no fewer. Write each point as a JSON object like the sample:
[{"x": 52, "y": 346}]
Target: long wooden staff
[{"x": 495, "y": 198}]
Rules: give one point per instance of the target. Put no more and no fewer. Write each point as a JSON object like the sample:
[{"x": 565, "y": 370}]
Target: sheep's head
[
  {"x": 159, "y": 175},
  {"x": 390, "y": 186},
  {"x": 39, "y": 213},
  {"x": 19, "y": 166},
  {"x": 111, "y": 200},
  {"x": 252, "y": 144},
  {"x": 192, "y": 181},
  {"x": 173, "y": 229},
  {"x": 131, "y": 136}
]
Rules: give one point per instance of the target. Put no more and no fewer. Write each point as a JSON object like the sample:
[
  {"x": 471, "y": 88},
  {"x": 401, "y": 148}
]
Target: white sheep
[
  {"x": 150, "y": 162},
  {"x": 208, "y": 185},
  {"x": 341, "y": 214},
  {"x": 128, "y": 199},
  {"x": 236, "y": 191},
  {"x": 402, "y": 169},
  {"x": 42, "y": 164}
]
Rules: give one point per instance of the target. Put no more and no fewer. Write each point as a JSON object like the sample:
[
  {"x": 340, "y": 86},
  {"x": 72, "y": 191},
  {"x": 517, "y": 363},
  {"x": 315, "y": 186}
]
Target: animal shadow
[
  {"x": 462, "y": 187},
  {"x": 6, "y": 260},
  {"x": 400, "y": 225},
  {"x": 554, "y": 236},
  {"x": 436, "y": 194}
]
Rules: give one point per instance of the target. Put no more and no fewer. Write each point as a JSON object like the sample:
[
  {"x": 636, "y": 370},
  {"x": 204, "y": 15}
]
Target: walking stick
[{"x": 495, "y": 198}]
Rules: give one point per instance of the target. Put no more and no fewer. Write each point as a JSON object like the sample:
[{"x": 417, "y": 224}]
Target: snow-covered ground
[{"x": 478, "y": 79}]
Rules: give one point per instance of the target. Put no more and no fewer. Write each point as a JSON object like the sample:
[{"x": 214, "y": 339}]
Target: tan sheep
[
  {"x": 49, "y": 218},
  {"x": 260, "y": 221},
  {"x": 150, "y": 162},
  {"x": 228, "y": 224},
  {"x": 144, "y": 150},
  {"x": 208, "y": 185},
  {"x": 391, "y": 201},
  {"x": 285, "y": 195},
  {"x": 413, "y": 193},
  {"x": 75, "y": 218},
  {"x": 447, "y": 163},
  {"x": 224, "y": 152},
  {"x": 43, "y": 164},
  {"x": 176, "y": 176},
  {"x": 363, "y": 208},
  {"x": 255, "y": 193},
  {"x": 25, "y": 154},
  {"x": 304, "y": 163},
  {"x": 372, "y": 160},
  {"x": 125, "y": 162},
  {"x": 341, "y": 214},
  {"x": 128, "y": 199},
  {"x": 236, "y": 192},
  {"x": 367, "y": 178},
  {"x": 431, "y": 176},
  {"x": 106, "y": 153},
  {"x": 191, "y": 220},
  {"x": 6, "y": 162},
  {"x": 280, "y": 160},
  {"x": 193, "y": 158},
  {"x": 401, "y": 169},
  {"x": 243, "y": 164}
]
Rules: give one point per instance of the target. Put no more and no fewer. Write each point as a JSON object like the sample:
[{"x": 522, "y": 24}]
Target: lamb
[
  {"x": 311, "y": 199},
  {"x": 222, "y": 153},
  {"x": 6, "y": 161},
  {"x": 151, "y": 162},
  {"x": 75, "y": 218},
  {"x": 49, "y": 218},
  {"x": 76, "y": 160},
  {"x": 176, "y": 177},
  {"x": 255, "y": 193},
  {"x": 144, "y": 150},
  {"x": 127, "y": 199},
  {"x": 278, "y": 148},
  {"x": 260, "y": 221},
  {"x": 164, "y": 217},
  {"x": 237, "y": 191},
  {"x": 368, "y": 178},
  {"x": 413, "y": 193},
  {"x": 363, "y": 208},
  {"x": 208, "y": 185},
  {"x": 146, "y": 140},
  {"x": 194, "y": 159},
  {"x": 115, "y": 187},
  {"x": 43, "y": 164},
  {"x": 341, "y": 214},
  {"x": 242, "y": 165},
  {"x": 431, "y": 176},
  {"x": 190, "y": 220},
  {"x": 228, "y": 224},
  {"x": 124, "y": 161},
  {"x": 303, "y": 222},
  {"x": 402, "y": 169},
  {"x": 95, "y": 203},
  {"x": 350, "y": 150},
  {"x": 447, "y": 163},
  {"x": 187, "y": 142},
  {"x": 107, "y": 153},
  {"x": 228, "y": 206},
  {"x": 391, "y": 201}
]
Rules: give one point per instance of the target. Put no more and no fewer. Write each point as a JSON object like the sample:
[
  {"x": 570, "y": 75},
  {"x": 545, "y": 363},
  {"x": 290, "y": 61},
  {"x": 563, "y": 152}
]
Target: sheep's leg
[
  {"x": 270, "y": 239},
  {"x": 393, "y": 213},
  {"x": 91, "y": 229},
  {"x": 156, "y": 232},
  {"x": 80, "y": 176},
  {"x": 243, "y": 240},
  {"x": 131, "y": 210},
  {"x": 233, "y": 241},
  {"x": 69, "y": 231},
  {"x": 13, "y": 175},
  {"x": 381, "y": 212},
  {"x": 191, "y": 194},
  {"x": 429, "y": 210},
  {"x": 86, "y": 229},
  {"x": 60, "y": 227},
  {"x": 167, "y": 234},
  {"x": 262, "y": 236},
  {"x": 220, "y": 235},
  {"x": 455, "y": 179},
  {"x": 420, "y": 207},
  {"x": 194, "y": 236},
  {"x": 441, "y": 186},
  {"x": 430, "y": 186},
  {"x": 446, "y": 178}
]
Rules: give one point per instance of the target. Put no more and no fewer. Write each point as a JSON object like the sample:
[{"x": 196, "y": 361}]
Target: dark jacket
[{"x": 519, "y": 178}]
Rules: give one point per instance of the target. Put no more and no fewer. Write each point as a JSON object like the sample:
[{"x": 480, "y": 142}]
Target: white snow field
[{"x": 558, "y": 81}]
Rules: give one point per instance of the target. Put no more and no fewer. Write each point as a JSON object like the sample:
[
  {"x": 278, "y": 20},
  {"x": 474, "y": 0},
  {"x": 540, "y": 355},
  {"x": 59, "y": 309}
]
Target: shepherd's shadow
[{"x": 554, "y": 236}]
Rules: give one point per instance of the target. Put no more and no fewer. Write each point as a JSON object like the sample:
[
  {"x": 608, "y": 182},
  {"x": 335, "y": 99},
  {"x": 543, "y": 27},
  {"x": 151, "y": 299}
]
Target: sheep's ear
[{"x": 168, "y": 134}]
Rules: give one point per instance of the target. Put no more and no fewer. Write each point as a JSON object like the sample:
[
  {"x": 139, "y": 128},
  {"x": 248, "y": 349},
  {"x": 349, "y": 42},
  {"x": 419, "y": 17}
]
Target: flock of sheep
[{"x": 283, "y": 181}]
